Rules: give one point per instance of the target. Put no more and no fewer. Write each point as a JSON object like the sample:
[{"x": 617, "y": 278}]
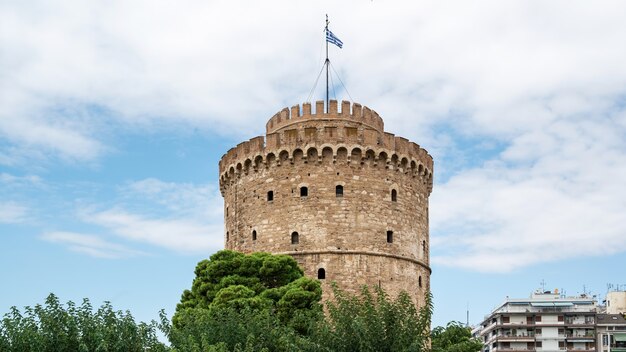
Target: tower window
[
  {"x": 254, "y": 235},
  {"x": 394, "y": 195},
  {"x": 419, "y": 281},
  {"x": 270, "y": 196},
  {"x": 304, "y": 191},
  {"x": 321, "y": 273},
  {"x": 295, "y": 238},
  {"x": 227, "y": 235},
  {"x": 339, "y": 191},
  {"x": 424, "y": 249},
  {"x": 389, "y": 236}
]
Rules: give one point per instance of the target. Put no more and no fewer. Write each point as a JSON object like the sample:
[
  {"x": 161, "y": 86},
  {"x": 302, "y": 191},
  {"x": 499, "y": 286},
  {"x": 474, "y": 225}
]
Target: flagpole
[{"x": 326, "y": 62}]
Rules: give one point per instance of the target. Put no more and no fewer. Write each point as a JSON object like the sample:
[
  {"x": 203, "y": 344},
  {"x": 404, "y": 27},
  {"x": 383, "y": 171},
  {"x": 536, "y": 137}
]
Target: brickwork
[{"x": 337, "y": 193}]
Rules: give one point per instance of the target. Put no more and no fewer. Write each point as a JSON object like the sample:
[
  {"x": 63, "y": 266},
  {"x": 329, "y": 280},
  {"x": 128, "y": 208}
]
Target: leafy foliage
[
  {"x": 374, "y": 322},
  {"x": 262, "y": 302},
  {"x": 455, "y": 337},
  {"x": 53, "y": 327},
  {"x": 238, "y": 301}
]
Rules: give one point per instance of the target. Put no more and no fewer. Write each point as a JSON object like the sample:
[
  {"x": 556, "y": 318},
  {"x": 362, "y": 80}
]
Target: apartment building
[
  {"x": 611, "y": 333},
  {"x": 546, "y": 321}
]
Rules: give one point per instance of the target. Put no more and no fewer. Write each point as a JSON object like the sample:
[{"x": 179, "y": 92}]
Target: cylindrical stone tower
[{"x": 346, "y": 199}]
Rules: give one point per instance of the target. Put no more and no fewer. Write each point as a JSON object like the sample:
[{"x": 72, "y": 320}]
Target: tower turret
[{"x": 347, "y": 200}]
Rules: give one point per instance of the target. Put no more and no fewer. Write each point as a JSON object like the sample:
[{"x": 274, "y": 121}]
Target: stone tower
[{"x": 346, "y": 199}]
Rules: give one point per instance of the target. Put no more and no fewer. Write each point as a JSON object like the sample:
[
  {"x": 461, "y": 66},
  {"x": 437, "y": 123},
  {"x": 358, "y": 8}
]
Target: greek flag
[{"x": 330, "y": 37}]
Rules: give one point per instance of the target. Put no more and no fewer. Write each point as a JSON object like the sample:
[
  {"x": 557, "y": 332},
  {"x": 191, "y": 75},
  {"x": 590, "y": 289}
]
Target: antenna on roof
[{"x": 543, "y": 285}]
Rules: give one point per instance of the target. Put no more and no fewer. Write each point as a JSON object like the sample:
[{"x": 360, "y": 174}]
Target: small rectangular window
[
  {"x": 389, "y": 236},
  {"x": 304, "y": 191},
  {"x": 339, "y": 191},
  {"x": 270, "y": 196}
]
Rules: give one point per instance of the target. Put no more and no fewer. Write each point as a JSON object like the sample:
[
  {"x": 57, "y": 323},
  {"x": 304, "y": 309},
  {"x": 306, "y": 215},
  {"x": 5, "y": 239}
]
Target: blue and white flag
[{"x": 330, "y": 37}]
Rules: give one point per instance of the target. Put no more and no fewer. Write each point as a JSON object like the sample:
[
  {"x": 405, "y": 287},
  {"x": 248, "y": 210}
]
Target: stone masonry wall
[{"x": 362, "y": 236}]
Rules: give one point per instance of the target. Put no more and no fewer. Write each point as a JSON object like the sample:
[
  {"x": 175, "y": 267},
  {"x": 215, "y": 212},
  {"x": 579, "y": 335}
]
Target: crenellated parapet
[
  {"x": 357, "y": 130},
  {"x": 349, "y": 201},
  {"x": 349, "y": 112}
]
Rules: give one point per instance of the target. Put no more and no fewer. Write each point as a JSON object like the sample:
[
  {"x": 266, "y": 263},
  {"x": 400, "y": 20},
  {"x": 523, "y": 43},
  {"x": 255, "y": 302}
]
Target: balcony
[
  {"x": 579, "y": 336},
  {"x": 588, "y": 322},
  {"x": 516, "y": 337}
]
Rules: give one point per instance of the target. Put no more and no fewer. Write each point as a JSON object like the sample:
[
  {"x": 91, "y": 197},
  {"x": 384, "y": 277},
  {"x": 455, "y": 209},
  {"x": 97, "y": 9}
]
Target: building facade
[
  {"x": 616, "y": 302},
  {"x": 611, "y": 333},
  {"x": 331, "y": 188},
  {"x": 546, "y": 321}
]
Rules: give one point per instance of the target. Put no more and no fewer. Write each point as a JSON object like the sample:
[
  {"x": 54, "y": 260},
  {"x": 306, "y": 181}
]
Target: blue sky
[{"x": 114, "y": 115}]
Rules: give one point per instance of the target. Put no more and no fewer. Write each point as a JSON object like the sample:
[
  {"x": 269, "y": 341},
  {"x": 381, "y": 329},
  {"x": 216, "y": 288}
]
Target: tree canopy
[
  {"x": 53, "y": 327},
  {"x": 238, "y": 299},
  {"x": 262, "y": 302},
  {"x": 455, "y": 337}
]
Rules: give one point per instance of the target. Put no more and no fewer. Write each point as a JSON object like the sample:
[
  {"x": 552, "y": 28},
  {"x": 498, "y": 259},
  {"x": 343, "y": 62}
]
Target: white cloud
[
  {"x": 181, "y": 235},
  {"x": 562, "y": 199},
  {"x": 90, "y": 245},
  {"x": 181, "y": 217},
  {"x": 12, "y": 212},
  {"x": 545, "y": 81}
]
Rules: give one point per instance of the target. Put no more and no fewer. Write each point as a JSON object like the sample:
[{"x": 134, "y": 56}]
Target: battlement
[
  {"x": 351, "y": 112},
  {"x": 346, "y": 199}
]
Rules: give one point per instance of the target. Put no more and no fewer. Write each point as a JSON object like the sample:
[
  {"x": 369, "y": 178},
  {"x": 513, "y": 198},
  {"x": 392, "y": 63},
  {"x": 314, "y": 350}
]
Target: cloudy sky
[{"x": 114, "y": 115}]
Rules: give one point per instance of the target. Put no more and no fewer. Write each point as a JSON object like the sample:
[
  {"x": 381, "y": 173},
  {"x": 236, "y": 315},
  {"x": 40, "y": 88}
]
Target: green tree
[
  {"x": 262, "y": 302},
  {"x": 455, "y": 337},
  {"x": 53, "y": 327},
  {"x": 243, "y": 301},
  {"x": 374, "y": 322}
]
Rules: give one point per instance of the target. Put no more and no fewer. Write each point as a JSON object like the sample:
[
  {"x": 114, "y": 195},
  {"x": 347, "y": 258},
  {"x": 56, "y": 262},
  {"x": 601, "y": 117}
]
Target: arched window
[
  {"x": 254, "y": 235},
  {"x": 270, "y": 196},
  {"x": 339, "y": 191},
  {"x": 394, "y": 195},
  {"x": 389, "y": 236},
  {"x": 295, "y": 238},
  {"x": 321, "y": 273},
  {"x": 304, "y": 191},
  {"x": 419, "y": 281}
]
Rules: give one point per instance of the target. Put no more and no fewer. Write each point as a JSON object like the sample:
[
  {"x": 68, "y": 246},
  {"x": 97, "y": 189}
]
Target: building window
[
  {"x": 226, "y": 211},
  {"x": 538, "y": 318},
  {"x": 389, "y": 236},
  {"x": 538, "y": 344},
  {"x": 506, "y": 320},
  {"x": 420, "y": 281},
  {"x": 295, "y": 238},
  {"x": 304, "y": 191},
  {"x": 560, "y": 318},
  {"x": 394, "y": 195},
  {"x": 424, "y": 249},
  {"x": 339, "y": 191},
  {"x": 227, "y": 235},
  {"x": 321, "y": 273},
  {"x": 270, "y": 196},
  {"x": 254, "y": 235}
]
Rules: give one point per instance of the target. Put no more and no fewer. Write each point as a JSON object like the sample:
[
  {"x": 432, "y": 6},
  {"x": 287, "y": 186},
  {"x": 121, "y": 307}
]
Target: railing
[
  {"x": 514, "y": 337},
  {"x": 579, "y": 335}
]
